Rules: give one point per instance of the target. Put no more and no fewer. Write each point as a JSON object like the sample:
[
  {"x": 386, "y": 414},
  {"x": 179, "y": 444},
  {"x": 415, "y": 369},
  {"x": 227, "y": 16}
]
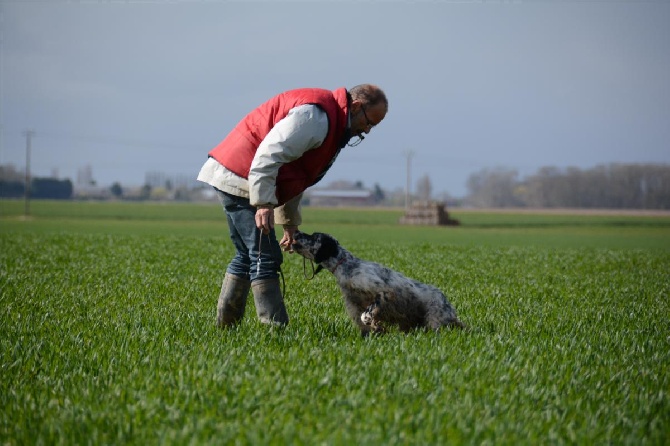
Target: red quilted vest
[{"x": 237, "y": 150}]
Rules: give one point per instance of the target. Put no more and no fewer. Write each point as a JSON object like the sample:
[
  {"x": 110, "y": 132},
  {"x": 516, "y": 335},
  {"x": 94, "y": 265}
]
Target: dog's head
[{"x": 318, "y": 247}]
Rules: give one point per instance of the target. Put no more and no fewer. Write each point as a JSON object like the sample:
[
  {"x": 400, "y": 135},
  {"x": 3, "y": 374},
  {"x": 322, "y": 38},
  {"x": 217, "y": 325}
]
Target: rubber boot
[
  {"x": 269, "y": 302},
  {"x": 232, "y": 300}
]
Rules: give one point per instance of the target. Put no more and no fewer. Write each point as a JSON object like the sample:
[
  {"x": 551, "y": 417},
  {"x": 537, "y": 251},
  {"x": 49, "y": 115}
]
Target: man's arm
[
  {"x": 304, "y": 128},
  {"x": 290, "y": 218}
]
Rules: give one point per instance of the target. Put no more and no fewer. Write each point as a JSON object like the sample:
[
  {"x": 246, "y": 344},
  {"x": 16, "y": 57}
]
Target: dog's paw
[
  {"x": 370, "y": 316},
  {"x": 367, "y": 318}
]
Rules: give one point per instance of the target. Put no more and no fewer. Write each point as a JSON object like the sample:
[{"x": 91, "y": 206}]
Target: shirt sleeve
[
  {"x": 304, "y": 128},
  {"x": 290, "y": 213}
]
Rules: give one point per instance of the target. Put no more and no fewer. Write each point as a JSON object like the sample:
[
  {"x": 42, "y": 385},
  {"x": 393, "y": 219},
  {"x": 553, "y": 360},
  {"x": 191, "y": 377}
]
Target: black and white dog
[{"x": 375, "y": 295}]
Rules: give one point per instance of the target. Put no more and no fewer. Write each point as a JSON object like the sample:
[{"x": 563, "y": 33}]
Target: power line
[{"x": 408, "y": 154}]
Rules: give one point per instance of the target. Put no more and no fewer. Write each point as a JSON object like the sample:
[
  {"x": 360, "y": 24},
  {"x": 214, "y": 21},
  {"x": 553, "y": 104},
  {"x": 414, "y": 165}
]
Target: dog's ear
[{"x": 329, "y": 248}]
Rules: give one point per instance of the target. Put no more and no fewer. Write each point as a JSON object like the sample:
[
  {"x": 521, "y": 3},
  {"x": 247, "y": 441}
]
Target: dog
[{"x": 374, "y": 295}]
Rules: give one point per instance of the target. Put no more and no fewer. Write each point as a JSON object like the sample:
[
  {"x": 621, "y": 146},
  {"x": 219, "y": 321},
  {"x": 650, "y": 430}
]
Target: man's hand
[
  {"x": 286, "y": 241},
  {"x": 265, "y": 218}
]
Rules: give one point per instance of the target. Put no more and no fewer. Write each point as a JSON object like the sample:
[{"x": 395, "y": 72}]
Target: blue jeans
[{"x": 247, "y": 239}]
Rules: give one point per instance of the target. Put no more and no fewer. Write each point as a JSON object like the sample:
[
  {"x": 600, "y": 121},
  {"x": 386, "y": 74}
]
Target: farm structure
[{"x": 429, "y": 213}]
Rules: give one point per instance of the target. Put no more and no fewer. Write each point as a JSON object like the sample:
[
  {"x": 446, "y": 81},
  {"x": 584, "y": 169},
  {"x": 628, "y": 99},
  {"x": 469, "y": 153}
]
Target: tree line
[
  {"x": 46, "y": 188},
  {"x": 615, "y": 186}
]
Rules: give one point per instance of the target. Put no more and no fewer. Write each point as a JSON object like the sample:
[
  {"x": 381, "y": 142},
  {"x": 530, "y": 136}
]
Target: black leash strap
[
  {"x": 258, "y": 264},
  {"x": 304, "y": 269}
]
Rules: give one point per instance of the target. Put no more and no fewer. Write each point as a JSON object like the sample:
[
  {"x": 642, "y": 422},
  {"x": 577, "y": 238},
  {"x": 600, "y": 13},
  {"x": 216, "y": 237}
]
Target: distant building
[
  {"x": 85, "y": 176},
  {"x": 157, "y": 179},
  {"x": 85, "y": 187},
  {"x": 334, "y": 197}
]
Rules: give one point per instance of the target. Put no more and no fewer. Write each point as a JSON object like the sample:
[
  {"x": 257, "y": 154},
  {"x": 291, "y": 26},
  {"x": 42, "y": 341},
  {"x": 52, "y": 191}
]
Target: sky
[{"x": 129, "y": 87}]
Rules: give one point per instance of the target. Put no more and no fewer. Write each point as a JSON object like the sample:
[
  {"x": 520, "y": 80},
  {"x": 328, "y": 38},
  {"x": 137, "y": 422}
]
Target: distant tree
[
  {"x": 116, "y": 190},
  {"x": 182, "y": 194},
  {"x": 494, "y": 188},
  {"x": 378, "y": 193},
  {"x": 51, "y": 188},
  {"x": 9, "y": 173},
  {"x": 616, "y": 186},
  {"x": 12, "y": 182},
  {"x": 145, "y": 193},
  {"x": 656, "y": 187},
  {"x": 159, "y": 193},
  {"x": 540, "y": 189},
  {"x": 11, "y": 189}
]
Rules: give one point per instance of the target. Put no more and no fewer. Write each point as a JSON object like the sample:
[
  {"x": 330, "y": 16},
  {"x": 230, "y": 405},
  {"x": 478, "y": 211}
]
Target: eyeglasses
[{"x": 370, "y": 124}]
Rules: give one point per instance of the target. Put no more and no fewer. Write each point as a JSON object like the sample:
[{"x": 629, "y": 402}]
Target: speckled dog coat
[{"x": 375, "y": 296}]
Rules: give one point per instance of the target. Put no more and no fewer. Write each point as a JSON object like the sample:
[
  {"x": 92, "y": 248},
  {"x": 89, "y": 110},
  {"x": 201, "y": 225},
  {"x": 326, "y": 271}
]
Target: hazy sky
[{"x": 135, "y": 86}]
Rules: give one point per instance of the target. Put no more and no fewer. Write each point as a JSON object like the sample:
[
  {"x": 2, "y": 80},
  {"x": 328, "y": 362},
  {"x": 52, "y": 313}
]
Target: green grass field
[{"x": 107, "y": 333}]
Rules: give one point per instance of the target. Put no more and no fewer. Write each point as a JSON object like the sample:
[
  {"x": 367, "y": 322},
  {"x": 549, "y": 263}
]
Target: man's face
[{"x": 365, "y": 117}]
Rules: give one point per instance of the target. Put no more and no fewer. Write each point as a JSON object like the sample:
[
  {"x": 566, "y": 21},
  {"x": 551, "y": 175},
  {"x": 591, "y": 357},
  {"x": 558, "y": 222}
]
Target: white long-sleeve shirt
[{"x": 304, "y": 128}]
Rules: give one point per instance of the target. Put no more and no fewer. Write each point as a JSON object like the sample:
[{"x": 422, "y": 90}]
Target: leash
[
  {"x": 304, "y": 269},
  {"x": 258, "y": 264},
  {"x": 318, "y": 268}
]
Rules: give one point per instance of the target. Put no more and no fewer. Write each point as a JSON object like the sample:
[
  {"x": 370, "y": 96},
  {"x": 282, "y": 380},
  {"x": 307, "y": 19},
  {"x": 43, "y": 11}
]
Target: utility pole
[
  {"x": 408, "y": 154},
  {"x": 26, "y": 210}
]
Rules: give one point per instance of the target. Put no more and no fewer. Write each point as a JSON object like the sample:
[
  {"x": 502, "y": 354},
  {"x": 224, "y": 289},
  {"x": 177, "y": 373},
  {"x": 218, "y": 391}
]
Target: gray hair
[{"x": 369, "y": 94}]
